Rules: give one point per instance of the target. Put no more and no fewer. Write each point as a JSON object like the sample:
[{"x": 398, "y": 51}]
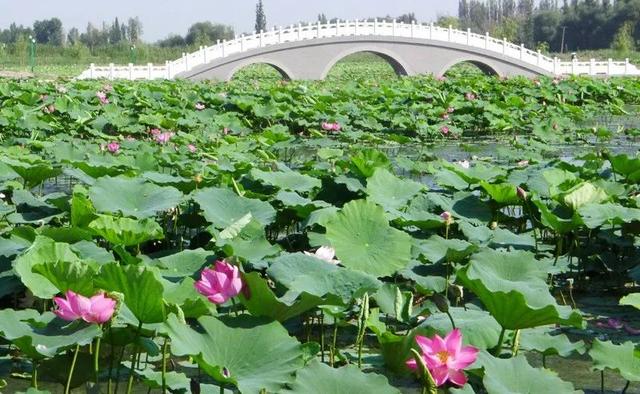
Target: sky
[{"x": 161, "y": 18}]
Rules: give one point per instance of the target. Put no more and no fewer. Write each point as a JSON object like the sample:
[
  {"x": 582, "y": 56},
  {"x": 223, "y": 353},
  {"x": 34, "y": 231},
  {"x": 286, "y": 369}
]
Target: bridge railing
[{"x": 311, "y": 31}]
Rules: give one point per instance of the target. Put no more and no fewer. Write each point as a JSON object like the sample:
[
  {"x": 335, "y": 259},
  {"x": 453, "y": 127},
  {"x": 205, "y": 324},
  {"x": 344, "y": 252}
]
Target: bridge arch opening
[
  {"x": 466, "y": 67},
  {"x": 365, "y": 63},
  {"x": 260, "y": 71}
]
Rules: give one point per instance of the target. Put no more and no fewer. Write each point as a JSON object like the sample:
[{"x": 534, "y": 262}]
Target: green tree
[
  {"x": 49, "y": 31},
  {"x": 623, "y": 41},
  {"x": 322, "y": 18},
  {"x": 446, "y": 21},
  {"x": 134, "y": 29},
  {"x": 261, "y": 17},
  {"x": 207, "y": 33}
]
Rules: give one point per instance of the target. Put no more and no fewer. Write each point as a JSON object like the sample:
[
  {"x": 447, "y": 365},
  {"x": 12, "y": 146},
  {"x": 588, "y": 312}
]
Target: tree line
[{"x": 569, "y": 25}]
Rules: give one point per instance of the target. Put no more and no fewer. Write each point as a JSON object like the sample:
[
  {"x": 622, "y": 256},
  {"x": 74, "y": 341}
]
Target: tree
[
  {"x": 207, "y": 33},
  {"x": 407, "y": 18},
  {"x": 322, "y": 18},
  {"x": 73, "y": 37},
  {"x": 261, "y": 17},
  {"x": 446, "y": 21},
  {"x": 134, "y": 29},
  {"x": 49, "y": 31},
  {"x": 115, "y": 33},
  {"x": 623, "y": 41}
]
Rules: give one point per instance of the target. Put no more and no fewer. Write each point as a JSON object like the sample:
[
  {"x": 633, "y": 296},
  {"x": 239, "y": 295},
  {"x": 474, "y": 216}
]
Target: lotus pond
[{"x": 413, "y": 235}]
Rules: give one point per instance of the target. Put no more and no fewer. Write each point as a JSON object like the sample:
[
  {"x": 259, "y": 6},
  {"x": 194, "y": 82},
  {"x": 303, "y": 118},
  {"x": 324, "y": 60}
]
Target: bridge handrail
[{"x": 301, "y": 32}]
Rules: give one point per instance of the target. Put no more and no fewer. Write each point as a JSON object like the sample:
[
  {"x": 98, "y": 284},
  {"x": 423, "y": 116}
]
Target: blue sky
[{"x": 159, "y": 18}]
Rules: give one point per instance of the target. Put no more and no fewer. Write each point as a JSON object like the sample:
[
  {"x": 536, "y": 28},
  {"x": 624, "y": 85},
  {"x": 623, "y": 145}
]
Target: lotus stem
[
  {"x": 34, "y": 374},
  {"x": 164, "y": 365},
  {"x": 67, "y": 388},
  {"x": 602, "y": 381},
  {"x": 626, "y": 387},
  {"x": 118, "y": 368},
  {"x": 498, "y": 347},
  {"x": 453, "y": 323},
  {"x": 96, "y": 360},
  {"x": 332, "y": 352},
  {"x": 515, "y": 346},
  {"x": 133, "y": 358},
  {"x": 321, "y": 335}
]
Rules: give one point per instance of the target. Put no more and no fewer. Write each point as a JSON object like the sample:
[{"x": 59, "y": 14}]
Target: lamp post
[
  {"x": 132, "y": 54},
  {"x": 32, "y": 53}
]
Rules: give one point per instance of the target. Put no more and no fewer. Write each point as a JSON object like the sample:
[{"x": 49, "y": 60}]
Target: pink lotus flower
[
  {"x": 192, "y": 148},
  {"x": 113, "y": 147},
  {"x": 200, "y": 106},
  {"x": 445, "y": 358},
  {"x": 49, "y": 109},
  {"x": 97, "y": 309},
  {"x": 450, "y": 110},
  {"x": 464, "y": 164},
  {"x": 445, "y": 116},
  {"x": 225, "y": 131},
  {"x": 107, "y": 88},
  {"x": 163, "y": 138},
  {"x": 470, "y": 96},
  {"x": 444, "y": 130},
  {"x": 447, "y": 217},
  {"x": 327, "y": 126},
  {"x": 102, "y": 96},
  {"x": 442, "y": 79},
  {"x": 220, "y": 283},
  {"x": 325, "y": 253},
  {"x": 155, "y": 132},
  {"x": 523, "y": 163}
]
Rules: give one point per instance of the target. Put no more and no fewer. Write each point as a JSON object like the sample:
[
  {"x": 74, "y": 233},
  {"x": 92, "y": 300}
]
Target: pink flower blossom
[
  {"x": 225, "y": 131},
  {"x": 470, "y": 96},
  {"x": 192, "y": 148},
  {"x": 200, "y": 106},
  {"x": 113, "y": 147},
  {"x": 447, "y": 217},
  {"x": 328, "y": 126},
  {"x": 97, "y": 309},
  {"x": 523, "y": 163},
  {"x": 163, "y": 138},
  {"x": 444, "y": 130},
  {"x": 464, "y": 164},
  {"x": 49, "y": 109},
  {"x": 445, "y": 116},
  {"x": 442, "y": 78},
  {"x": 107, "y": 88},
  {"x": 155, "y": 132},
  {"x": 325, "y": 253},
  {"x": 445, "y": 358},
  {"x": 450, "y": 110},
  {"x": 220, "y": 283},
  {"x": 102, "y": 96}
]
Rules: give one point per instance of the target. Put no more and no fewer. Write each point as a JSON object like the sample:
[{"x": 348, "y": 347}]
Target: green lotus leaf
[
  {"x": 540, "y": 340},
  {"x": 437, "y": 249},
  {"x": 133, "y": 197},
  {"x": 300, "y": 273},
  {"x": 33, "y": 173},
  {"x": 364, "y": 241},
  {"x": 287, "y": 180},
  {"x": 64, "y": 275},
  {"x": 319, "y": 378},
  {"x": 471, "y": 207},
  {"x": 125, "y": 231},
  {"x": 389, "y": 191},
  {"x": 477, "y": 173},
  {"x": 261, "y": 301},
  {"x": 595, "y": 215},
  {"x": 515, "y": 375},
  {"x": 631, "y": 299},
  {"x": 250, "y": 243},
  {"x": 185, "y": 263},
  {"x": 621, "y": 358},
  {"x": 39, "y": 336},
  {"x": 628, "y": 167},
  {"x": 223, "y": 207},
  {"x": 478, "y": 328},
  {"x": 268, "y": 363},
  {"x": 512, "y": 287},
  {"x": 43, "y": 251},
  {"x": 366, "y": 161},
  {"x": 502, "y": 193},
  {"x": 558, "y": 220},
  {"x": 141, "y": 289},
  {"x": 582, "y": 194},
  {"x": 394, "y": 302}
]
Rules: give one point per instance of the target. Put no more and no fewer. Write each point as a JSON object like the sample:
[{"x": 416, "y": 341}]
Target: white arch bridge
[{"x": 309, "y": 51}]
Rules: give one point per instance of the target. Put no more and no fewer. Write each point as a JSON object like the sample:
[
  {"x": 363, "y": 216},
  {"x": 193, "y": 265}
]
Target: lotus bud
[
  {"x": 493, "y": 225},
  {"x": 447, "y": 217},
  {"x": 521, "y": 193},
  {"x": 198, "y": 178}
]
